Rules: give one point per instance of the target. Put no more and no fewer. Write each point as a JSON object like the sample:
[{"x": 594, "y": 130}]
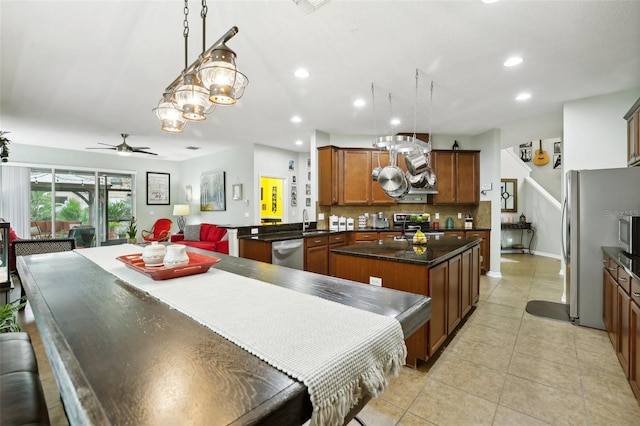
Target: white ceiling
[{"x": 78, "y": 73}]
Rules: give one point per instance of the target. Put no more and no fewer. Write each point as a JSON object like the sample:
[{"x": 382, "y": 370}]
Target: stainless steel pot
[
  {"x": 417, "y": 181},
  {"x": 375, "y": 173},
  {"x": 416, "y": 162}
]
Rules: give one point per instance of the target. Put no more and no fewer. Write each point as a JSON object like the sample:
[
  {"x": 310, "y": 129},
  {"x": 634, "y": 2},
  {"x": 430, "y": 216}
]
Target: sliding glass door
[{"x": 93, "y": 207}]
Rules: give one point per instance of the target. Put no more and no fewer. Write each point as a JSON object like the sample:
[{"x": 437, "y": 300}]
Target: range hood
[{"x": 417, "y": 196}]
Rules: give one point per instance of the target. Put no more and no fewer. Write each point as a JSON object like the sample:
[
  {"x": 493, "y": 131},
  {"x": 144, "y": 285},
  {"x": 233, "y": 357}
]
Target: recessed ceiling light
[
  {"x": 296, "y": 119},
  {"x": 395, "y": 121},
  {"x": 523, "y": 96},
  {"x": 489, "y": 1},
  {"x": 301, "y": 73},
  {"x": 359, "y": 103},
  {"x": 298, "y": 142},
  {"x": 513, "y": 61}
]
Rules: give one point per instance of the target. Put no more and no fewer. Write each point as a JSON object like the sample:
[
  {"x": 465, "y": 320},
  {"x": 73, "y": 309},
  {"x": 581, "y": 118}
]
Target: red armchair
[{"x": 160, "y": 231}]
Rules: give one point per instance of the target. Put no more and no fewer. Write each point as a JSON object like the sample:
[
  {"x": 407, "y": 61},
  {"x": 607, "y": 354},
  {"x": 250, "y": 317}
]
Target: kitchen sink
[{"x": 313, "y": 233}]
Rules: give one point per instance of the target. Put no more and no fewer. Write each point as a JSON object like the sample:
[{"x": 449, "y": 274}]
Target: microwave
[{"x": 629, "y": 234}]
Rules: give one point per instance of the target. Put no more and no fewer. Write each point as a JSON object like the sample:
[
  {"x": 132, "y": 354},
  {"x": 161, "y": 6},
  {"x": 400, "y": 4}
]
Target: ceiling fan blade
[
  {"x": 138, "y": 147},
  {"x": 107, "y": 144},
  {"x": 100, "y": 148},
  {"x": 144, "y": 152}
]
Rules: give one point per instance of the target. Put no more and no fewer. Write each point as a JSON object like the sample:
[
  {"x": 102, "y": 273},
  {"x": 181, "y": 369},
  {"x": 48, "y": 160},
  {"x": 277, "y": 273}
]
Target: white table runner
[{"x": 340, "y": 353}]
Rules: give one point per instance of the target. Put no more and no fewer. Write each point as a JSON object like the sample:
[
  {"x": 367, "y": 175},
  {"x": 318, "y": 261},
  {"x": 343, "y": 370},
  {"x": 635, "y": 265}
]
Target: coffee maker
[{"x": 379, "y": 221}]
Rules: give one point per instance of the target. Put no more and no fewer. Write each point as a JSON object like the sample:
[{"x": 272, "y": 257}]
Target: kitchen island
[
  {"x": 446, "y": 269},
  {"x": 121, "y": 356}
]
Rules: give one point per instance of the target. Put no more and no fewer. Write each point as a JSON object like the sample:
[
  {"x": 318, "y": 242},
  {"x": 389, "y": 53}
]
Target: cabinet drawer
[
  {"x": 316, "y": 241},
  {"x": 475, "y": 234},
  {"x": 624, "y": 279},
  {"x": 337, "y": 239},
  {"x": 635, "y": 291},
  {"x": 454, "y": 233},
  {"x": 610, "y": 266},
  {"x": 366, "y": 236}
]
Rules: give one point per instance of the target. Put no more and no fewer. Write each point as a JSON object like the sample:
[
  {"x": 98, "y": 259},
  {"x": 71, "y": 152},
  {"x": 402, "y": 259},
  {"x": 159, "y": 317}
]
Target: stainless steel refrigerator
[{"x": 594, "y": 200}]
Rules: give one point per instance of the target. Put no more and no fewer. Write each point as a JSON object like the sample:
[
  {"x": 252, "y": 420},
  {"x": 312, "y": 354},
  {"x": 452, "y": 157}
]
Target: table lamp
[{"x": 181, "y": 210}]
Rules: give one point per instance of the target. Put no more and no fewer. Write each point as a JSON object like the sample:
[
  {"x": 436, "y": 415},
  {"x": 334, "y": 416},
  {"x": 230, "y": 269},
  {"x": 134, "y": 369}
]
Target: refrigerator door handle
[{"x": 563, "y": 237}]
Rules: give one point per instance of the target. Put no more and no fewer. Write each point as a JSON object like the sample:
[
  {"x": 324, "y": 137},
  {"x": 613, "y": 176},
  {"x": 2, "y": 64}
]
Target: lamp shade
[
  {"x": 221, "y": 76},
  {"x": 181, "y": 210}
]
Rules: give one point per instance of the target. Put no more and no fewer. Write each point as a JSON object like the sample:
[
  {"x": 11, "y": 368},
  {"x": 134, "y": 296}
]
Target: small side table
[{"x": 522, "y": 226}]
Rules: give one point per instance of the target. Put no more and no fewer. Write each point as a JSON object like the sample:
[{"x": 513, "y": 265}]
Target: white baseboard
[
  {"x": 493, "y": 274},
  {"x": 535, "y": 253}
]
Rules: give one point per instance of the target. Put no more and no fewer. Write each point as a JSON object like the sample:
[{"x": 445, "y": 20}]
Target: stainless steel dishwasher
[{"x": 289, "y": 253}]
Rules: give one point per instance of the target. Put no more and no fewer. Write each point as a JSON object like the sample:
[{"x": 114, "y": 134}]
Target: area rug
[{"x": 546, "y": 309}]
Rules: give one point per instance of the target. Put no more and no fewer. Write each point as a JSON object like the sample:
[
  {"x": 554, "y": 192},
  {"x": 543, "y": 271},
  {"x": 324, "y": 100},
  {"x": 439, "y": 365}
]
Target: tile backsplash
[{"x": 481, "y": 213}]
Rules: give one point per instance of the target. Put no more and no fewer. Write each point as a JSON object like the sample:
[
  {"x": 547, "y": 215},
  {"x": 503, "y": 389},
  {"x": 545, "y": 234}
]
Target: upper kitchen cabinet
[
  {"x": 633, "y": 134},
  {"x": 458, "y": 174},
  {"x": 344, "y": 177},
  {"x": 327, "y": 175}
]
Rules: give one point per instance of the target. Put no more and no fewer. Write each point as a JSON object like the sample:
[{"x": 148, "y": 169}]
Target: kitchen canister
[
  {"x": 350, "y": 224},
  {"x": 342, "y": 223},
  {"x": 333, "y": 223}
]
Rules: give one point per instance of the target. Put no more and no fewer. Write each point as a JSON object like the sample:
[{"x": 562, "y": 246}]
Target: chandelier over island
[{"x": 213, "y": 79}]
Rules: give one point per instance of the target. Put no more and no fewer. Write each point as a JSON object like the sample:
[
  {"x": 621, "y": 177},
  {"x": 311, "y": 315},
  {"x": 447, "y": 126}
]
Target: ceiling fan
[{"x": 126, "y": 149}]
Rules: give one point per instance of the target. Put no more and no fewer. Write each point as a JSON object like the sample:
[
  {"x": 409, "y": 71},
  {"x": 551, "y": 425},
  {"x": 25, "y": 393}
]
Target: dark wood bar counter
[{"x": 121, "y": 356}]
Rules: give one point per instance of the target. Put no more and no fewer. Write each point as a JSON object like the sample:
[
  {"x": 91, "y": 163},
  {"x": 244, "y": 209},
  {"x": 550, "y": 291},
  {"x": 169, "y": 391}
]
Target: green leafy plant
[
  {"x": 133, "y": 229},
  {"x": 8, "y": 317}
]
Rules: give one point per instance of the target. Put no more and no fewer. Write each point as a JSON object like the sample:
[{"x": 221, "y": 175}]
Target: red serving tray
[{"x": 198, "y": 264}]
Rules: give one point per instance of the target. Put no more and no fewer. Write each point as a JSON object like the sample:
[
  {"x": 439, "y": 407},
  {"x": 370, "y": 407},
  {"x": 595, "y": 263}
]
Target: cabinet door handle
[
  {"x": 611, "y": 269},
  {"x": 624, "y": 280},
  {"x": 636, "y": 294}
]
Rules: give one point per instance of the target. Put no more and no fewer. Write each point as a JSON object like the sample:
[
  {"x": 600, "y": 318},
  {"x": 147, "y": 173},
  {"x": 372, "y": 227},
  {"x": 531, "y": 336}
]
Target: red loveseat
[{"x": 206, "y": 236}]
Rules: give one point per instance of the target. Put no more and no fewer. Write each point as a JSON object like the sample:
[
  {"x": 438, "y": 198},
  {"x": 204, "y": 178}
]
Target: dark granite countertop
[
  {"x": 435, "y": 251},
  {"x": 630, "y": 263}
]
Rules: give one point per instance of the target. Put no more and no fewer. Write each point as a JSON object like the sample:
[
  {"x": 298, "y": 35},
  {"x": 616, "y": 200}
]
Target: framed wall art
[
  {"x": 158, "y": 188},
  {"x": 212, "y": 192}
]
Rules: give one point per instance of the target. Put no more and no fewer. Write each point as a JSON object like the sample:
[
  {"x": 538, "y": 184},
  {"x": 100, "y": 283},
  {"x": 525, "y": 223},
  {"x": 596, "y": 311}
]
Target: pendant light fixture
[{"x": 212, "y": 79}]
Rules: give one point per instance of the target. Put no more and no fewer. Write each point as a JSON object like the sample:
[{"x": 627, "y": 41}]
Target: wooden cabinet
[
  {"x": 485, "y": 249},
  {"x": 363, "y": 237},
  {"x": 633, "y": 134},
  {"x": 327, "y": 175},
  {"x": 254, "y": 249},
  {"x": 634, "y": 343},
  {"x": 624, "y": 324},
  {"x": 458, "y": 175},
  {"x": 344, "y": 177},
  {"x": 466, "y": 272},
  {"x": 621, "y": 315},
  {"x": 437, "y": 291},
  {"x": 485, "y": 245},
  {"x": 335, "y": 241},
  {"x": 316, "y": 254},
  {"x": 454, "y": 293}
]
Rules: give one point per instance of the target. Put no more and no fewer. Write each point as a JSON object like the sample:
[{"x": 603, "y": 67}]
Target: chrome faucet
[{"x": 305, "y": 220}]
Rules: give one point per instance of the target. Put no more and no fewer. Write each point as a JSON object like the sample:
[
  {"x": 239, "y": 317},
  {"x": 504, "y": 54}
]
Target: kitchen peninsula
[
  {"x": 446, "y": 269},
  {"x": 121, "y": 356}
]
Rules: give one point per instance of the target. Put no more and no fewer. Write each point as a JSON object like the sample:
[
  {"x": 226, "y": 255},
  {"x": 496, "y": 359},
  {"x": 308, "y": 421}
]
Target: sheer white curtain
[{"x": 16, "y": 193}]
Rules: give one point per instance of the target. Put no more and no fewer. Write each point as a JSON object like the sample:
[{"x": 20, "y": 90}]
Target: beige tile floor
[{"x": 503, "y": 367}]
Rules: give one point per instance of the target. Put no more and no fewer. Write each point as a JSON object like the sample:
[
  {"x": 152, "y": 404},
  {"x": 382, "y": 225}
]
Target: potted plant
[
  {"x": 132, "y": 232},
  {"x": 8, "y": 318},
  {"x": 4, "y": 146}
]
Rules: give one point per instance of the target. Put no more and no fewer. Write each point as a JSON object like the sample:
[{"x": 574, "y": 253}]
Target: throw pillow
[{"x": 192, "y": 233}]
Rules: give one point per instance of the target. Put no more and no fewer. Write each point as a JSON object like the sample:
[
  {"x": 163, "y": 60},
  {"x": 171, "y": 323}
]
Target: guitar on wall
[{"x": 541, "y": 157}]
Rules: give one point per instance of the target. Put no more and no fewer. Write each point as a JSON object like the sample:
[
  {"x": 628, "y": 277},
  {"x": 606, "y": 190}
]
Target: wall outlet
[
  {"x": 246, "y": 214},
  {"x": 375, "y": 281},
  {"x": 437, "y": 215},
  {"x": 254, "y": 230},
  {"x": 320, "y": 216},
  {"x": 459, "y": 215},
  {"x": 151, "y": 213}
]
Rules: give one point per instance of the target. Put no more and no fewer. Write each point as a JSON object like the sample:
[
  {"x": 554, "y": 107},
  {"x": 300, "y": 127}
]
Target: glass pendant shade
[
  {"x": 171, "y": 119},
  {"x": 220, "y": 75},
  {"x": 192, "y": 99}
]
